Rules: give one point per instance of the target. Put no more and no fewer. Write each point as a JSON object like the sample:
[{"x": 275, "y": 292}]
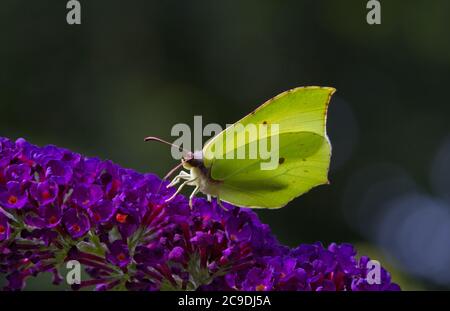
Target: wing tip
[{"x": 330, "y": 89}]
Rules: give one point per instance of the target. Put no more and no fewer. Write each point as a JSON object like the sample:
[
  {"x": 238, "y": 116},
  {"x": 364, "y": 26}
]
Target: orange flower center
[
  {"x": 260, "y": 288},
  {"x": 121, "y": 257},
  {"x": 97, "y": 217},
  {"x": 2, "y": 229},
  {"x": 46, "y": 195},
  {"x": 53, "y": 220},
  {"x": 76, "y": 228},
  {"x": 121, "y": 218},
  {"x": 12, "y": 199}
]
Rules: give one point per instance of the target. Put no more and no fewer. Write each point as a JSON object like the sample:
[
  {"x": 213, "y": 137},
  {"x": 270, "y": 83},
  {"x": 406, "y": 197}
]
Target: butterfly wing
[
  {"x": 304, "y": 151},
  {"x": 303, "y": 164}
]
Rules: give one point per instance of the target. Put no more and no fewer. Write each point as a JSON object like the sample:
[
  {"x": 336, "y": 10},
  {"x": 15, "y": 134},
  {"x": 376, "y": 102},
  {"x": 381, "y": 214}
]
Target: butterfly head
[
  {"x": 189, "y": 160},
  {"x": 192, "y": 159}
]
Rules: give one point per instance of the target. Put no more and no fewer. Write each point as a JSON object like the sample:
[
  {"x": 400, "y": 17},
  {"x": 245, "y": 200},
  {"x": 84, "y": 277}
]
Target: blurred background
[{"x": 136, "y": 68}]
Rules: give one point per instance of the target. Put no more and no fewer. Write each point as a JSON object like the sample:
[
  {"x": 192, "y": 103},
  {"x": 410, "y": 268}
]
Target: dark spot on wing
[
  {"x": 264, "y": 122},
  {"x": 280, "y": 160}
]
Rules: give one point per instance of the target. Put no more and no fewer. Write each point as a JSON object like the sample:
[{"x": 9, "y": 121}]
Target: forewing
[{"x": 301, "y": 109}]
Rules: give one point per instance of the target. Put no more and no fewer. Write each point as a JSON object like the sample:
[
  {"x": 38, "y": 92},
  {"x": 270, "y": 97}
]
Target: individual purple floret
[
  {"x": 5, "y": 230},
  {"x": 57, "y": 206}
]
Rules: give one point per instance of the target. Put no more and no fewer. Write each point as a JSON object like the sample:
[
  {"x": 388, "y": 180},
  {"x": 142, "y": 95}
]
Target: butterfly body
[{"x": 201, "y": 175}]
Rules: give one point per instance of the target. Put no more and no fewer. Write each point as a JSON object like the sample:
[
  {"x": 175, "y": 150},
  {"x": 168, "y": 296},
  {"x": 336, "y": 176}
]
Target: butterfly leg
[
  {"x": 220, "y": 204},
  {"x": 182, "y": 176},
  {"x": 180, "y": 188},
  {"x": 191, "y": 197}
]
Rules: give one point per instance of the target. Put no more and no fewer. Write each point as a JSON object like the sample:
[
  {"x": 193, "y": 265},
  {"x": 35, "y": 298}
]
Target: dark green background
[{"x": 136, "y": 68}]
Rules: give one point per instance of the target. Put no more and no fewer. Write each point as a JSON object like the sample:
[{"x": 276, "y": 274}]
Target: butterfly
[{"x": 303, "y": 154}]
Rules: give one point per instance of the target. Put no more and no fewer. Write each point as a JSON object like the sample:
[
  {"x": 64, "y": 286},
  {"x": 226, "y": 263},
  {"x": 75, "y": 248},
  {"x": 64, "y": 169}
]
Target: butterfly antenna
[
  {"x": 177, "y": 167},
  {"x": 152, "y": 138},
  {"x": 173, "y": 170},
  {"x": 170, "y": 173}
]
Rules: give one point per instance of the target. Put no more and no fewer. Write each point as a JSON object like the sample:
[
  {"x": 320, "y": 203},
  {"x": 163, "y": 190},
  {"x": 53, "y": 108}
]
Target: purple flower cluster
[{"x": 57, "y": 206}]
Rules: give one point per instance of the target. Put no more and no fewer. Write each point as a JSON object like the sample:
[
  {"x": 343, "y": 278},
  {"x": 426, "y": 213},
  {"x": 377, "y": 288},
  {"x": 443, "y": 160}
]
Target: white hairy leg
[
  {"x": 220, "y": 204},
  {"x": 196, "y": 190},
  {"x": 182, "y": 176},
  {"x": 180, "y": 188}
]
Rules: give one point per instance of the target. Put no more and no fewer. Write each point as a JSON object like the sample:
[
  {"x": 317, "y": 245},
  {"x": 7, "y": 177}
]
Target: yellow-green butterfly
[{"x": 304, "y": 154}]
